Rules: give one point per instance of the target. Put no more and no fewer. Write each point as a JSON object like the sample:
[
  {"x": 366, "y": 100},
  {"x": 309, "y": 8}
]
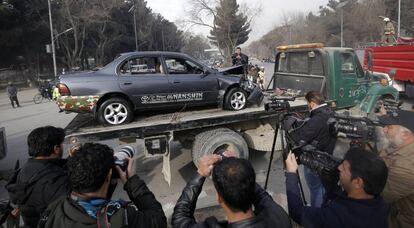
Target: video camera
[
  {"x": 358, "y": 129},
  {"x": 278, "y": 103}
]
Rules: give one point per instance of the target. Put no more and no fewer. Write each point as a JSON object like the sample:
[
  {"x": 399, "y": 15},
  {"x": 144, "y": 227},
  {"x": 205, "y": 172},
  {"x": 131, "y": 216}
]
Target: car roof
[{"x": 153, "y": 53}]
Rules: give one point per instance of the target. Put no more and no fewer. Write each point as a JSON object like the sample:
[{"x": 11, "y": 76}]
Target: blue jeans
[{"x": 316, "y": 189}]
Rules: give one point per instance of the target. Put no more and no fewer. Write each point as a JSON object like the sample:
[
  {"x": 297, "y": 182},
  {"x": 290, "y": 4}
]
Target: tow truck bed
[{"x": 84, "y": 128}]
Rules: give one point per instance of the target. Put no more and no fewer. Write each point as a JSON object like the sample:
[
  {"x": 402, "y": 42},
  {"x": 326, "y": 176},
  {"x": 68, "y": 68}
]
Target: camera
[
  {"x": 120, "y": 157},
  {"x": 278, "y": 103},
  {"x": 359, "y": 130},
  {"x": 323, "y": 163}
]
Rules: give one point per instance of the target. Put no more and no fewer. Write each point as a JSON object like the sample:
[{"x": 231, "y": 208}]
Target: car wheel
[
  {"x": 235, "y": 99},
  {"x": 115, "y": 111},
  {"x": 214, "y": 140}
]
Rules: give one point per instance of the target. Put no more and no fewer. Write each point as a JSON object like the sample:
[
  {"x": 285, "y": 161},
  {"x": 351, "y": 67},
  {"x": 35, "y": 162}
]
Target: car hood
[{"x": 232, "y": 70}]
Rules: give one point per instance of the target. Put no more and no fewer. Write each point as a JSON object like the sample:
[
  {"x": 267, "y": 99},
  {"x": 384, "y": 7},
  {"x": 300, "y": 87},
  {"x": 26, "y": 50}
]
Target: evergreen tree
[{"x": 231, "y": 28}]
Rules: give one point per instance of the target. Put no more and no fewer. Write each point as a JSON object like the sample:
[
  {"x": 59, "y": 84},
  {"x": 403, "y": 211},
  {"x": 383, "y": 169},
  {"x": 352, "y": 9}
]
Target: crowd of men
[{"x": 377, "y": 189}]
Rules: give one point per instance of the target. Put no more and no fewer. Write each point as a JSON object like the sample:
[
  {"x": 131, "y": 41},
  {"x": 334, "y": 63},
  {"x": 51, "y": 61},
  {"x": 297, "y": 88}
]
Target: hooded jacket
[
  {"x": 38, "y": 183},
  {"x": 146, "y": 211}
]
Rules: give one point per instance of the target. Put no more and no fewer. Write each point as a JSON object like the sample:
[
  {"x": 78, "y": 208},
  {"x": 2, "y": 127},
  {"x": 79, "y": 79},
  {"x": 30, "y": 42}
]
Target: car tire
[
  {"x": 235, "y": 99},
  {"x": 212, "y": 141},
  {"x": 115, "y": 111}
]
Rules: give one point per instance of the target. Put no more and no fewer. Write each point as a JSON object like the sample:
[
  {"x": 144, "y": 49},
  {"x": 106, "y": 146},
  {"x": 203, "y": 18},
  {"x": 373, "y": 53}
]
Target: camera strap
[{"x": 102, "y": 218}]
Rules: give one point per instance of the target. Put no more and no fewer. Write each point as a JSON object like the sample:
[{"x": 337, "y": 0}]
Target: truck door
[{"x": 348, "y": 89}]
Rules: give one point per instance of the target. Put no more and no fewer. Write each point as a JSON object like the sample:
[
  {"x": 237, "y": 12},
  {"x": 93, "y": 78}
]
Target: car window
[
  {"x": 182, "y": 66},
  {"x": 347, "y": 63},
  {"x": 141, "y": 65}
]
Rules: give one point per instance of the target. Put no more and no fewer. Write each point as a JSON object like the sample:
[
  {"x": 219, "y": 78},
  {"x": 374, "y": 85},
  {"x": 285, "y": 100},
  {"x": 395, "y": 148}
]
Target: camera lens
[{"x": 125, "y": 152}]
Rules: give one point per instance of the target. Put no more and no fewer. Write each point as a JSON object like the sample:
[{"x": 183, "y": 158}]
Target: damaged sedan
[{"x": 153, "y": 80}]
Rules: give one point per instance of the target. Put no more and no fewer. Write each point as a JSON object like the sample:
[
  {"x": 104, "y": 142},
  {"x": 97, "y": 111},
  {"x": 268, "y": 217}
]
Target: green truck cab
[{"x": 335, "y": 72}]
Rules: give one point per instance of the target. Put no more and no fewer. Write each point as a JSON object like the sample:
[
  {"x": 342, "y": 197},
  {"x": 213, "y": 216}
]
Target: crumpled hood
[{"x": 232, "y": 70}]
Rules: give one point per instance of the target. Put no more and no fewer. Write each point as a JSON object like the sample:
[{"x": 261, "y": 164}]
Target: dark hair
[
  {"x": 235, "y": 179},
  {"x": 41, "y": 141},
  {"x": 238, "y": 48},
  {"x": 89, "y": 167},
  {"x": 370, "y": 168},
  {"x": 315, "y": 96}
]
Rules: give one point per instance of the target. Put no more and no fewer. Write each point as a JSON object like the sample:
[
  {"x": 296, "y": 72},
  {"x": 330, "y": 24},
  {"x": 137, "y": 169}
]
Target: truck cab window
[
  {"x": 298, "y": 62},
  {"x": 347, "y": 63}
]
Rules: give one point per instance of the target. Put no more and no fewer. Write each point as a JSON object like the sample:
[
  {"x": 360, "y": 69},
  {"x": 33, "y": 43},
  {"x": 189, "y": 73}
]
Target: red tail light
[{"x": 63, "y": 90}]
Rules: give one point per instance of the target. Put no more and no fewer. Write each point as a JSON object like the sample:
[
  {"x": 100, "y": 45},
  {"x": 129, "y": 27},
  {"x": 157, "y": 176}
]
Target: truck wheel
[
  {"x": 212, "y": 141},
  {"x": 235, "y": 99},
  {"x": 115, "y": 111}
]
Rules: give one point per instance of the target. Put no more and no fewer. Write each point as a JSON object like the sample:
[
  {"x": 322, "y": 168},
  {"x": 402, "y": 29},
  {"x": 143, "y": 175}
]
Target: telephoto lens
[{"x": 121, "y": 156}]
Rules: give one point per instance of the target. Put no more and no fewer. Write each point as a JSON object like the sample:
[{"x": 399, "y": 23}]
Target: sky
[{"x": 270, "y": 16}]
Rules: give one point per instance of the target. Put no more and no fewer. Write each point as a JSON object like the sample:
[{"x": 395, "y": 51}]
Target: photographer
[
  {"x": 43, "y": 178},
  {"x": 90, "y": 171},
  {"x": 316, "y": 130},
  {"x": 237, "y": 191},
  {"x": 399, "y": 190},
  {"x": 362, "y": 175}
]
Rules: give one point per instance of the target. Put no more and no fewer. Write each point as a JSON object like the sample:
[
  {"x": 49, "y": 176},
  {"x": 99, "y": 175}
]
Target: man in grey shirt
[{"x": 12, "y": 92}]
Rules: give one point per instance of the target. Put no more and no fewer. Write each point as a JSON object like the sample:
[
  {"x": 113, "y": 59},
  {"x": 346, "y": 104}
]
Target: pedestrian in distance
[
  {"x": 12, "y": 93},
  {"x": 261, "y": 78}
]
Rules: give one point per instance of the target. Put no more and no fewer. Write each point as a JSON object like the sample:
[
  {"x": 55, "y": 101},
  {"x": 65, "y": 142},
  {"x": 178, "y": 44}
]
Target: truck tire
[
  {"x": 115, "y": 111},
  {"x": 235, "y": 99},
  {"x": 211, "y": 141}
]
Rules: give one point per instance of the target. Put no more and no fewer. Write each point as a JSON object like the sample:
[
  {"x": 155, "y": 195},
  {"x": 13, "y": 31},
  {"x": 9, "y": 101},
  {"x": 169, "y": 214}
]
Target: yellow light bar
[{"x": 300, "y": 46}]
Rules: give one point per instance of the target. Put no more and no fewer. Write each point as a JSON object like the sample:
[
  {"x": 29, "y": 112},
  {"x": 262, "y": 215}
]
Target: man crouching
[{"x": 237, "y": 191}]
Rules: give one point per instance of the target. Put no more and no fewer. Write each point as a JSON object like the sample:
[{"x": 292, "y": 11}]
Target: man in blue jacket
[{"x": 362, "y": 175}]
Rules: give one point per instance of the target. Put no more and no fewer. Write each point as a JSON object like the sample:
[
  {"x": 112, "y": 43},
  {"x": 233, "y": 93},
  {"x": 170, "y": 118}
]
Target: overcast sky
[{"x": 270, "y": 16}]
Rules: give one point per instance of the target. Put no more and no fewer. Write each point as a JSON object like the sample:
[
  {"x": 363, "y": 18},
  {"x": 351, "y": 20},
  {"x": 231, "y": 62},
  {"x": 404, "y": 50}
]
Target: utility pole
[
  {"x": 52, "y": 39},
  {"x": 399, "y": 18}
]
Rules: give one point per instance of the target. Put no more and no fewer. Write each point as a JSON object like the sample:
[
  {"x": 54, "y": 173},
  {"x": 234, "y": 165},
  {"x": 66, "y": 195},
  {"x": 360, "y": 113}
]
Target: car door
[
  {"x": 189, "y": 84},
  {"x": 143, "y": 79}
]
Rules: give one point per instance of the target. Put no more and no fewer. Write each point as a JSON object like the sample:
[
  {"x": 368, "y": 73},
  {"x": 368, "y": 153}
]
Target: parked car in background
[{"x": 152, "y": 80}]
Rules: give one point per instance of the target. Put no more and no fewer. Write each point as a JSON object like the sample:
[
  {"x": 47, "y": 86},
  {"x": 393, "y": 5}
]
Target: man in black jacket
[
  {"x": 239, "y": 58},
  {"x": 43, "y": 178},
  {"x": 316, "y": 131},
  {"x": 90, "y": 174},
  {"x": 237, "y": 191},
  {"x": 362, "y": 175}
]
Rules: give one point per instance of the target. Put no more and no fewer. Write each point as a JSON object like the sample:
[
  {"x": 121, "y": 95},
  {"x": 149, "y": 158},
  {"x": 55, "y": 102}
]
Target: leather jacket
[{"x": 268, "y": 213}]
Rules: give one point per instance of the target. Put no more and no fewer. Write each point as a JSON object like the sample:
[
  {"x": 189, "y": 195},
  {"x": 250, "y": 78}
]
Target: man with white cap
[
  {"x": 399, "y": 190},
  {"x": 389, "y": 31}
]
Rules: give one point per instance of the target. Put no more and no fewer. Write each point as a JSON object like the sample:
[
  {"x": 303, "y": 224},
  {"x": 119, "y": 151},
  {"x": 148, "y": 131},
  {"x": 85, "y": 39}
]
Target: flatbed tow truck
[
  {"x": 204, "y": 131},
  {"x": 335, "y": 72}
]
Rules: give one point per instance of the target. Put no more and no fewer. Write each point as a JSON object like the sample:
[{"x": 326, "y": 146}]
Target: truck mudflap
[{"x": 375, "y": 93}]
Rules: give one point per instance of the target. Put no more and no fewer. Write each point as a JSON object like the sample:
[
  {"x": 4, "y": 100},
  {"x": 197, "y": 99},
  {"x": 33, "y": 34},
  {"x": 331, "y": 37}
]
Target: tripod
[{"x": 285, "y": 151}]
